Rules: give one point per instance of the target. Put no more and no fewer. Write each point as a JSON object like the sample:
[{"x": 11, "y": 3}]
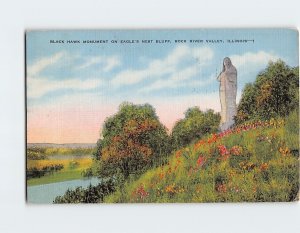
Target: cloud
[
  {"x": 108, "y": 63},
  {"x": 250, "y": 64},
  {"x": 166, "y": 66},
  {"x": 112, "y": 62},
  {"x": 43, "y": 63},
  {"x": 177, "y": 79},
  {"x": 38, "y": 87},
  {"x": 260, "y": 58}
]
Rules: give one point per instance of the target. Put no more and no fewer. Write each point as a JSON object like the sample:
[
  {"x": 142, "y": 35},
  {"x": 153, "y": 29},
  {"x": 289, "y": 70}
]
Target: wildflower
[
  {"x": 200, "y": 161},
  {"x": 236, "y": 150},
  {"x": 170, "y": 189},
  {"x": 198, "y": 189},
  {"x": 223, "y": 151},
  {"x": 264, "y": 166},
  {"x": 178, "y": 154},
  {"x": 221, "y": 188},
  {"x": 181, "y": 190},
  {"x": 161, "y": 175},
  {"x": 212, "y": 139},
  {"x": 248, "y": 166},
  {"x": 199, "y": 144},
  {"x": 284, "y": 151},
  {"x": 140, "y": 193}
]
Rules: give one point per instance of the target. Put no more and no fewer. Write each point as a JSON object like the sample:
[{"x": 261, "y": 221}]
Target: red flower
[
  {"x": 200, "y": 161},
  {"x": 223, "y": 151}
]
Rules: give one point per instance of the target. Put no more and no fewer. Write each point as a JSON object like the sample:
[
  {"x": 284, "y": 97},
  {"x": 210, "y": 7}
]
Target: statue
[{"x": 228, "y": 89}]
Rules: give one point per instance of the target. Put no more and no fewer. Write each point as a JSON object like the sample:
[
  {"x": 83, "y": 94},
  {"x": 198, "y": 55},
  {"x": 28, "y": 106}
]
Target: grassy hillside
[{"x": 253, "y": 162}]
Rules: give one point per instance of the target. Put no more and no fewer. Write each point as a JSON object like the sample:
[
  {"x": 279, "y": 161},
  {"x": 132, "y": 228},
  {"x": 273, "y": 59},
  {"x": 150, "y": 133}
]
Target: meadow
[
  {"x": 72, "y": 167},
  {"x": 253, "y": 162}
]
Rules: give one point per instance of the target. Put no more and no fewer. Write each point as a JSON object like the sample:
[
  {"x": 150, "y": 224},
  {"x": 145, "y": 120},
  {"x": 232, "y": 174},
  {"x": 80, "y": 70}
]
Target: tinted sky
[{"x": 72, "y": 88}]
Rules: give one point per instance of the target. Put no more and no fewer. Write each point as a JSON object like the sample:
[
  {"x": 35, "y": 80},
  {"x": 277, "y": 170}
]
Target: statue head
[{"x": 226, "y": 63}]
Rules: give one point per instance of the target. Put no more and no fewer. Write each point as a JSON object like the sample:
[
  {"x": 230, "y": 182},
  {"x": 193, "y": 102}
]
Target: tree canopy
[
  {"x": 133, "y": 139},
  {"x": 195, "y": 124},
  {"x": 275, "y": 92}
]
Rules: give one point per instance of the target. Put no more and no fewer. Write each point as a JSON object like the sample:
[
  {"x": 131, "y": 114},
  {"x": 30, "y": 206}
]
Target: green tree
[
  {"x": 274, "y": 93},
  {"x": 194, "y": 126},
  {"x": 133, "y": 140}
]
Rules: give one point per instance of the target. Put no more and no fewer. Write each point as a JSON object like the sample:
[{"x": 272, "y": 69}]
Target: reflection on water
[{"x": 46, "y": 193}]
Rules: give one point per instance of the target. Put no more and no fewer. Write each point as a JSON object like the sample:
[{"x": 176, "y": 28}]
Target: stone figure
[{"x": 228, "y": 89}]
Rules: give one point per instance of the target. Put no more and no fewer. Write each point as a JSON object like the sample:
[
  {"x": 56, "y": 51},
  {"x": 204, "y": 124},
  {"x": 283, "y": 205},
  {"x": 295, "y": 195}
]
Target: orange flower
[
  {"x": 170, "y": 189},
  {"x": 284, "y": 151},
  {"x": 178, "y": 153},
  {"x": 199, "y": 144},
  {"x": 264, "y": 166},
  {"x": 236, "y": 150}
]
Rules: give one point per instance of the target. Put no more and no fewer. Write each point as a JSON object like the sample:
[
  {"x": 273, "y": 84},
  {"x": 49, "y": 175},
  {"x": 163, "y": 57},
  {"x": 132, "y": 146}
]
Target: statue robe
[{"x": 228, "y": 89}]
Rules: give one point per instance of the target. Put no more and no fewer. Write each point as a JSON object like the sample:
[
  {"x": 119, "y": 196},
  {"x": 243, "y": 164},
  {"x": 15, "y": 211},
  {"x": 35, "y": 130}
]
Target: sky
[{"x": 73, "y": 87}]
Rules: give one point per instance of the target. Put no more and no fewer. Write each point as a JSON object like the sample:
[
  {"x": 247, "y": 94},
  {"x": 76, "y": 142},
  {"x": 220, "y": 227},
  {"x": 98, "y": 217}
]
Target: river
[{"x": 46, "y": 193}]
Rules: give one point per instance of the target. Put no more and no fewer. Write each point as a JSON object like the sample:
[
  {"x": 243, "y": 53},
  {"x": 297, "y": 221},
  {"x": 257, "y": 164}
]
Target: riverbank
[{"x": 72, "y": 170}]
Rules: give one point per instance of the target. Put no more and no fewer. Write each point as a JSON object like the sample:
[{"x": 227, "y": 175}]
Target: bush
[
  {"x": 87, "y": 172},
  {"x": 133, "y": 140},
  {"x": 274, "y": 93},
  {"x": 195, "y": 125},
  {"x": 34, "y": 172},
  {"x": 92, "y": 194}
]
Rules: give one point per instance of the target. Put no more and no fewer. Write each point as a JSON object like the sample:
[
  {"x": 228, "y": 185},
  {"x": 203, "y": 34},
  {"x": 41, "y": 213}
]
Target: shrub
[
  {"x": 35, "y": 172},
  {"x": 195, "y": 125},
  {"x": 133, "y": 140},
  {"x": 274, "y": 93},
  {"x": 92, "y": 194}
]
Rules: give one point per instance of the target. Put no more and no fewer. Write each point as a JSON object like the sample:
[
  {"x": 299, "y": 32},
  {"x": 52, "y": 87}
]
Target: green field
[{"x": 69, "y": 172}]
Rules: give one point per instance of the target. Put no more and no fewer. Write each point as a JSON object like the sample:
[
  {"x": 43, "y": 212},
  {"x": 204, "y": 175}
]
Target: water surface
[{"x": 46, "y": 193}]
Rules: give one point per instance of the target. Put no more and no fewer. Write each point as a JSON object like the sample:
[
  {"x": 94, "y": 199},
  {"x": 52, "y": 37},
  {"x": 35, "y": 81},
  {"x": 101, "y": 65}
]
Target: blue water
[{"x": 46, "y": 193}]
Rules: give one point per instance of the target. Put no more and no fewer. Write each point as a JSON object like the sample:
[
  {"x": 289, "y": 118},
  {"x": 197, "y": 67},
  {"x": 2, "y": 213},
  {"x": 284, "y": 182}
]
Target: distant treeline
[
  {"x": 36, "y": 153},
  {"x": 35, "y": 172}
]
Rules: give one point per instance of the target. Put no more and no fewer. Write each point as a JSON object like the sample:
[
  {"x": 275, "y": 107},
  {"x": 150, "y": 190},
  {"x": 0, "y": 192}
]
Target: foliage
[
  {"x": 251, "y": 162},
  {"x": 92, "y": 194},
  {"x": 67, "y": 173},
  {"x": 195, "y": 125},
  {"x": 97, "y": 153},
  {"x": 34, "y": 172},
  {"x": 73, "y": 164},
  {"x": 274, "y": 93},
  {"x": 36, "y": 153},
  {"x": 87, "y": 172},
  {"x": 133, "y": 140},
  {"x": 39, "y": 153}
]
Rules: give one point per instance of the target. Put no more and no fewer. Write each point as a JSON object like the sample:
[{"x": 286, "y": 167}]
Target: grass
[
  {"x": 72, "y": 170},
  {"x": 255, "y": 162},
  {"x": 38, "y": 153}
]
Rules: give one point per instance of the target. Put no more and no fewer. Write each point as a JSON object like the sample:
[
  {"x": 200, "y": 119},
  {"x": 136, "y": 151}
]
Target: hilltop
[{"x": 256, "y": 161}]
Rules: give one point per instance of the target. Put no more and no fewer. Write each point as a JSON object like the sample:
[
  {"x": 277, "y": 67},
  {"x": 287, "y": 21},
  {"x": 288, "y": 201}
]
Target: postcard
[{"x": 162, "y": 116}]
